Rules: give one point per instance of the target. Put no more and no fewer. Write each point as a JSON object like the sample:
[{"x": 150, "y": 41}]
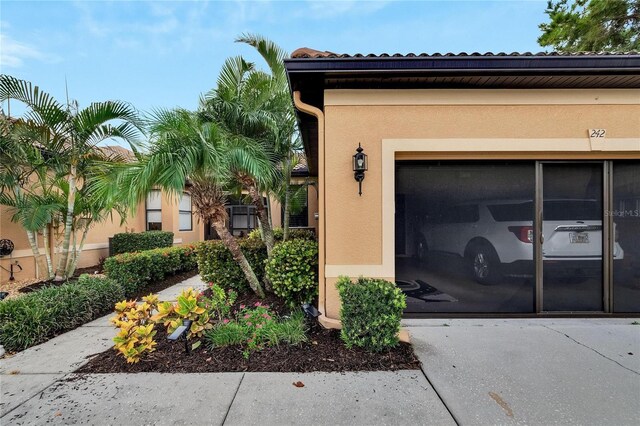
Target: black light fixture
[
  {"x": 6, "y": 248},
  {"x": 360, "y": 165},
  {"x": 310, "y": 311},
  {"x": 182, "y": 331}
]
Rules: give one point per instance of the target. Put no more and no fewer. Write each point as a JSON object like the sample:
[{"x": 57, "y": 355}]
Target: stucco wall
[
  {"x": 97, "y": 243},
  {"x": 487, "y": 123}
]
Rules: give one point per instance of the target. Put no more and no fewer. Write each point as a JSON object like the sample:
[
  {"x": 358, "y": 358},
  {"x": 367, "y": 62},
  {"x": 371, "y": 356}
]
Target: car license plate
[{"x": 579, "y": 237}]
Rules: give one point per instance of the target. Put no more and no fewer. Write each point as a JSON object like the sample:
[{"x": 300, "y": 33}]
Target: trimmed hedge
[
  {"x": 216, "y": 264},
  {"x": 134, "y": 271},
  {"x": 278, "y": 234},
  {"x": 371, "y": 312},
  {"x": 128, "y": 242},
  {"x": 293, "y": 270},
  {"x": 36, "y": 317}
]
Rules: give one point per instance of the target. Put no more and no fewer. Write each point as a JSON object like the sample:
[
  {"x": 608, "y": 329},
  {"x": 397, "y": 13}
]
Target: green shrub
[
  {"x": 134, "y": 271},
  {"x": 255, "y": 328},
  {"x": 36, "y": 317},
  {"x": 302, "y": 234},
  {"x": 293, "y": 270},
  {"x": 128, "y": 242},
  {"x": 371, "y": 312},
  {"x": 216, "y": 264},
  {"x": 278, "y": 234}
]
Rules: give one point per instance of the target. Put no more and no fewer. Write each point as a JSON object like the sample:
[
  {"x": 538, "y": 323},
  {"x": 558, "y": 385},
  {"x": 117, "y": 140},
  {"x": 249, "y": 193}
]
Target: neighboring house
[
  {"x": 463, "y": 153},
  {"x": 159, "y": 212},
  {"x": 243, "y": 217}
]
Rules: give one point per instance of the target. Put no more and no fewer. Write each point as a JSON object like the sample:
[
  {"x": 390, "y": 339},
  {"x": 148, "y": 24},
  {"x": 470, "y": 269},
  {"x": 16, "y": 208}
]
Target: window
[
  {"x": 184, "y": 212},
  {"x": 298, "y": 209},
  {"x": 154, "y": 210}
]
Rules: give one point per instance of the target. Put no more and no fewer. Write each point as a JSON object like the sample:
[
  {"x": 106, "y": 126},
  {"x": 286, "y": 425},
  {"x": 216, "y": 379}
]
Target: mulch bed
[
  {"x": 153, "y": 288},
  {"x": 324, "y": 351},
  {"x": 166, "y": 283},
  {"x": 91, "y": 270}
]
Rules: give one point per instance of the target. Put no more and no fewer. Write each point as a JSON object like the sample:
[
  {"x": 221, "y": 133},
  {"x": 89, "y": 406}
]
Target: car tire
[
  {"x": 484, "y": 263},
  {"x": 422, "y": 251}
]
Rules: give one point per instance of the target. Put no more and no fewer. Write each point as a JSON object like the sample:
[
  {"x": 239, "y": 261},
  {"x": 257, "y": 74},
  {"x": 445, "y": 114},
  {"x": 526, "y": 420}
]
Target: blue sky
[{"x": 166, "y": 53}]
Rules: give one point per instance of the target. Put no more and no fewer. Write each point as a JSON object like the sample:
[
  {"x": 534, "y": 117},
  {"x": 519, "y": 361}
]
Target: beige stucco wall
[
  {"x": 448, "y": 124},
  {"x": 97, "y": 243}
]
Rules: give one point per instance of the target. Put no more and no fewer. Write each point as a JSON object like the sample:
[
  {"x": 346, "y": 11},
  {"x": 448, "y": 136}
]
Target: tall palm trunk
[
  {"x": 47, "y": 251},
  {"x": 68, "y": 226},
  {"x": 239, "y": 257},
  {"x": 77, "y": 251},
  {"x": 287, "y": 199},
  {"x": 287, "y": 213},
  {"x": 31, "y": 236},
  {"x": 256, "y": 200}
]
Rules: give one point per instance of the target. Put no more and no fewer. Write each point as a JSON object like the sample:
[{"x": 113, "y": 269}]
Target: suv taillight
[{"x": 523, "y": 233}]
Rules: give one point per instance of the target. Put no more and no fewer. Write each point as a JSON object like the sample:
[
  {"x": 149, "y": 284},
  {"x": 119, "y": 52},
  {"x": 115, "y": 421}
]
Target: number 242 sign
[{"x": 597, "y": 133}]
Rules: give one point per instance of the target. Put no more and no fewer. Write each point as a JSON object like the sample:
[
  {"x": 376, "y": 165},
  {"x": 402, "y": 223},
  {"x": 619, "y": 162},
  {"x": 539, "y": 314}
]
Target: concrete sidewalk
[
  {"x": 475, "y": 372},
  {"x": 31, "y": 371},
  {"x": 533, "y": 371}
]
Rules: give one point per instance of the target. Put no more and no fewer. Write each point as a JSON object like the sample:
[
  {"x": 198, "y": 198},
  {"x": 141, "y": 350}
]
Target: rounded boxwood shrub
[
  {"x": 36, "y": 317},
  {"x": 216, "y": 264},
  {"x": 371, "y": 312},
  {"x": 293, "y": 270}
]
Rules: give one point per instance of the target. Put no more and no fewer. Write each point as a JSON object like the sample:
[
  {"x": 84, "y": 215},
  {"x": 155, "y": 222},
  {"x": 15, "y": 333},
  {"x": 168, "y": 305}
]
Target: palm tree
[
  {"x": 241, "y": 106},
  {"x": 185, "y": 150},
  {"x": 23, "y": 183},
  {"x": 284, "y": 138},
  {"x": 72, "y": 136}
]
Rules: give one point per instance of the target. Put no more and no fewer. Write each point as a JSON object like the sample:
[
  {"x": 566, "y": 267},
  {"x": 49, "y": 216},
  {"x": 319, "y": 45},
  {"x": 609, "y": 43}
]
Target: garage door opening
[{"x": 467, "y": 242}]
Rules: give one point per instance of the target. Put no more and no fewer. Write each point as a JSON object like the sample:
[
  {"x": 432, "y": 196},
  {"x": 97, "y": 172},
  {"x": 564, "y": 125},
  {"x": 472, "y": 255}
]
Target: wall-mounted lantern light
[{"x": 360, "y": 165}]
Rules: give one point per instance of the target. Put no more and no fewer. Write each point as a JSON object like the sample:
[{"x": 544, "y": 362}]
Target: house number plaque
[{"x": 596, "y": 139}]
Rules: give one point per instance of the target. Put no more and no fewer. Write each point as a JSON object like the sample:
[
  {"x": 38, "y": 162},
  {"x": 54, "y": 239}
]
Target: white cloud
[{"x": 13, "y": 53}]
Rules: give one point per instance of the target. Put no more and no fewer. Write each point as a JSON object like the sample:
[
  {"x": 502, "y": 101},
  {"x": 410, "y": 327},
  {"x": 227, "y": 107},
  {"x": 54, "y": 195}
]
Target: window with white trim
[
  {"x": 184, "y": 213},
  {"x": 154, "y": 210}
]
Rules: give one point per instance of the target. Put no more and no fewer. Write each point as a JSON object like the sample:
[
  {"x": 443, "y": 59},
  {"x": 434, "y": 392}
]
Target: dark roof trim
[{"x": 467, "y": 64}]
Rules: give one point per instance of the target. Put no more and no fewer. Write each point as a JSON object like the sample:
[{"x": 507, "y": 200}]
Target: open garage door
[{"x": 467, "y": 241}]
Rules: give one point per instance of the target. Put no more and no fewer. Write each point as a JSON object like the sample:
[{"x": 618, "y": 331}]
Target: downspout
[{"x": 322, "y": 291}]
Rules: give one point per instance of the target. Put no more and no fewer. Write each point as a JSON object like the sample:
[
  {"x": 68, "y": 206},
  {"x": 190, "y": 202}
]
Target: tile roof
[{"x": 305, "y": 52}]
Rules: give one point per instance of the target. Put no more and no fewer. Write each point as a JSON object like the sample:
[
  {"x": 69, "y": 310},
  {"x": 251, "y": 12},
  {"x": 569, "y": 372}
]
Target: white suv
[{"x": 496, "y": 237}]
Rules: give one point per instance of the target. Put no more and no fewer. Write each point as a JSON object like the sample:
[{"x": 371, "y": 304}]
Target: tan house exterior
[
  {"x": 97, "y": 244},
  {"x": 447, "y": 108},
  {"x": 146, "y": 215}
]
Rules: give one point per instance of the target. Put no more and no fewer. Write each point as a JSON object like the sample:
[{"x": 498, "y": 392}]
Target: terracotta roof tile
[{"x": 306, "y": 52}]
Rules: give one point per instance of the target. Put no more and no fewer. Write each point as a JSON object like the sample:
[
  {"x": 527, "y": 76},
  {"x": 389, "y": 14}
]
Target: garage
[
  {"x": 467, "y": 240},
  {"x": 491, "y": 184}
]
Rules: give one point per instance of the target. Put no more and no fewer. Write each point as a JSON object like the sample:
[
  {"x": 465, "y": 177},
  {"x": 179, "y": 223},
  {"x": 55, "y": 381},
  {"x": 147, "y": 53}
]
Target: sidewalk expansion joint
[
  {"x": 233, "y": 399},
  {"x": 424, "y": 373},
  {"x": 40, "y": 392},
  {"x": 592, "y": 349}
]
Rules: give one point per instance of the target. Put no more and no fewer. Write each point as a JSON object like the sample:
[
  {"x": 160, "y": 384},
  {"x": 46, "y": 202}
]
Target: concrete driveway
[{"x": 533, "y": 371}]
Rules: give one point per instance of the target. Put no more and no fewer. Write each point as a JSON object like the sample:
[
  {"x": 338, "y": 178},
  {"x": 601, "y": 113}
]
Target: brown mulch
[
  {"x": 324, "y": 351},
  {"x": 91, "y": 270},
  {"x": 97, "y": 269},
  {"x": 167, "y": 282}
]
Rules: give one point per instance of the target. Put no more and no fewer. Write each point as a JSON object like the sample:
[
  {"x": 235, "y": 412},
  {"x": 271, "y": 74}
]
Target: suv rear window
[
  {"x": 572, "y": 210},
  {"x": 520, "y": 212},
  {"x": 553, "y": 210}
]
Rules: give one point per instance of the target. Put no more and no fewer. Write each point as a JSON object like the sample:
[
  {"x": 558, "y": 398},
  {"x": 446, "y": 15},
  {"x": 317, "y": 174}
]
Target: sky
[{"x": 164, "y": 54}]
